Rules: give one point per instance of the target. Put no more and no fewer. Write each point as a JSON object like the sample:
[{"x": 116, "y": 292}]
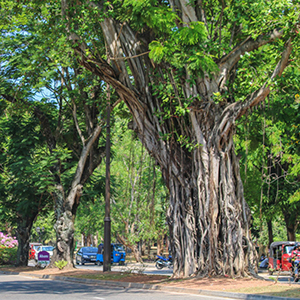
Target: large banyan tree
[{"x": 184, "y": 68}]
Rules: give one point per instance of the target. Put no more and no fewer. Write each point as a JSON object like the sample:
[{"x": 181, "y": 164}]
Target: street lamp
[{"x": 107, "y": 222}]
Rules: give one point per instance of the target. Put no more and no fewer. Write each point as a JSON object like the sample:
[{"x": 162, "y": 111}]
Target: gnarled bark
[
  {"x": 66, "y": 206},
  {"x": 23, "y": 234}
]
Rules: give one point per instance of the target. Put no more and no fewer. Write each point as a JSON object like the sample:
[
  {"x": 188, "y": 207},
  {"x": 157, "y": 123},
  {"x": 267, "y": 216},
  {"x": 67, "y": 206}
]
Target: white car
[{"x": 49, "y": 249}]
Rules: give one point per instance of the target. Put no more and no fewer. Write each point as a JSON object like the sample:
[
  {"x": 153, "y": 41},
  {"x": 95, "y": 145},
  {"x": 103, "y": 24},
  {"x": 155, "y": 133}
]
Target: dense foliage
[{"x": 187, "y": 72}]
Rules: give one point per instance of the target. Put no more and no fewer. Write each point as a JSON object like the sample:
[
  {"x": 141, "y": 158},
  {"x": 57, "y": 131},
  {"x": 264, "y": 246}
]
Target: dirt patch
[{"x": 220, "y": 283}]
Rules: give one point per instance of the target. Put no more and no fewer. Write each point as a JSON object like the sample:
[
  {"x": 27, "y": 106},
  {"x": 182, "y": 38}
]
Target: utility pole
[{"x": 107, "y": 222}]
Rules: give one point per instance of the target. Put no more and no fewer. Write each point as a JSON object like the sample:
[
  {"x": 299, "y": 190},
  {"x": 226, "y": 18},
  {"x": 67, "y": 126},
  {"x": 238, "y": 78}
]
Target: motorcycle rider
[{"x": 296, "y": 259}]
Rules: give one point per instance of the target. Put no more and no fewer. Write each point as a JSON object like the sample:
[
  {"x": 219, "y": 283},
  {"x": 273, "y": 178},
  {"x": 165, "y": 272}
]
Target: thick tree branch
[
  {"x": 76, "y": 183},
  {"x": 234, "y": 111},
  {"x": 228, "y": 61},
  {"x": 262, "y": 93}
]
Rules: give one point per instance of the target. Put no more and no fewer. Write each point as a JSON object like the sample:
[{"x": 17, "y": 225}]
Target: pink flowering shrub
[{"x": 8, "y": 249}]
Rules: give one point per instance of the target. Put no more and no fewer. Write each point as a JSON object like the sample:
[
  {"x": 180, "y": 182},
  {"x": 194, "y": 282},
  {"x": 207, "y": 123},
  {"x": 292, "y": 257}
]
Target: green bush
[
  {"x": 8, "y": 256},
  {"x": 60, "y": 264}
]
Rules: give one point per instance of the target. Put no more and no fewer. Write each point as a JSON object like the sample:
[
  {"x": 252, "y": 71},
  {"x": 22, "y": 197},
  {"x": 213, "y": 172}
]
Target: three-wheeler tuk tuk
[
  {"x": 280, "y": 254},
  {"x": 118, "y": 254}
]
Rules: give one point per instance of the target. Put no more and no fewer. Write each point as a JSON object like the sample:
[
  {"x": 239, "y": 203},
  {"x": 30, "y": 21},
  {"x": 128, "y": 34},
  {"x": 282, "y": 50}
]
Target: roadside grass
[
  {"x": 290, "y": 291},
  {"x": 123, "y": 276}
]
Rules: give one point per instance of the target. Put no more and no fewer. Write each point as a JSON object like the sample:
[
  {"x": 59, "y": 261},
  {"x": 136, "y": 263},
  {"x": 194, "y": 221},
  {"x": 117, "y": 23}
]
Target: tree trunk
[
  {"x": 95, "y": 240},
  {"x": 23, "y": 235},
  {"x": 66, "y": 207},
  {"x": 82, "y": 239},
  {"x": 270, "y": 232},
  {"x": 291, "y": 224},
  {"x": 65, "y": 211},
  {"x": 209, "y": 228},
  {"x": 133, "y": 247},
  {"x": 160, "y": 245},
  {"x": 291, "y": 234},
  {"x": 89, "y": 240}
]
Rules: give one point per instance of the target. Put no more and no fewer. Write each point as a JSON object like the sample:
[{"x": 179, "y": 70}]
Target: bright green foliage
[
  {"x": 21, "y": 140},
  {"x": 46, "y": 221},
  {"x": 90, "y": 215},
  {"x": 269, "y": 144},
  {"x": 141, "y": 13},
  {"x": 139, "y": 197},
  {"x": 60, "y": 264},
  {"x": 185, "y": 47},
  {"x": 184, "y": 56},
  {"x": 42, "y": 84},
  {"x": 8, "y": 256},
  {"x": 136, "y": 213}
]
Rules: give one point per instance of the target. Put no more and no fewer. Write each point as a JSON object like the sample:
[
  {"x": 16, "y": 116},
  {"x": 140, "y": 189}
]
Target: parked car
[
  {"x": 49, "y": 249},
  {"x": 118, "y": 254},
  {"x": 32, "y": 248},
  {"x": 86, "y": 255},
  {"x": 280, "y": 254}
]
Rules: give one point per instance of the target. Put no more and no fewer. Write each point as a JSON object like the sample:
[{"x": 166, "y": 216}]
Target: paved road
[
  {"x": 147, "y": 268},
  {"x": 284, "y": 277},
  {"x": 13, "y": 287}
]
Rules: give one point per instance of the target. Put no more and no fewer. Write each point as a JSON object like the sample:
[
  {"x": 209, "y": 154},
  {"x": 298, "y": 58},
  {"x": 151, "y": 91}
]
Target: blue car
[
  {"x": 118, "y": 254},
  {"x": 86, "y": 255}
]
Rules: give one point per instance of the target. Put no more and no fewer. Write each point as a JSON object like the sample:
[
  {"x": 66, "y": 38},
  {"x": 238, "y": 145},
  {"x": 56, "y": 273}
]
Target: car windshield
[
  {"x": 90, "y": 250},
  {"x": 48, "y": 248},
  {"x": 119, "y": 247}
]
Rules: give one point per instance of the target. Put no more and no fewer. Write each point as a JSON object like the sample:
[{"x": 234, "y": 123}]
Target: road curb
[{"x": 128, "y": 285}]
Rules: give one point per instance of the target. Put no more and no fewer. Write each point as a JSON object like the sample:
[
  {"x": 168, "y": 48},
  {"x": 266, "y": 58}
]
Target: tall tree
[
  {"x": 22, "y": 198},
  {"x": 184, "y": 102},
  {"x": 184, "y": 105},
  {"x": 66, "y": 101},
  {"x": 270, "y": 153}
]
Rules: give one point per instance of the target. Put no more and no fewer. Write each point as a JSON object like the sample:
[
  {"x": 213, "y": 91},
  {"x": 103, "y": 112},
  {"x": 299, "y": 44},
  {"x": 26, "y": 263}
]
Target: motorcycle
[{"x": 162, "y": 262}]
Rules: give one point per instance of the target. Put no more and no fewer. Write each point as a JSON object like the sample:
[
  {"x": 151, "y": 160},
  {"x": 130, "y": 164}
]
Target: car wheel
[{"x": 82, "y": 262}]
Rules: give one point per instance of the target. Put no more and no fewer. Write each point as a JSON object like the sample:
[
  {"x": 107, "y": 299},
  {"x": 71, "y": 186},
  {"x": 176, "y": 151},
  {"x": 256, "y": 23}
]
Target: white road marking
[{"x": 202, "y": 296}]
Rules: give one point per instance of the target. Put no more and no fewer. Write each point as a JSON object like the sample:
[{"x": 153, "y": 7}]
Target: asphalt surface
[
  {"x": 149, "y": 268},
  {"x": 25, "y": 288}
]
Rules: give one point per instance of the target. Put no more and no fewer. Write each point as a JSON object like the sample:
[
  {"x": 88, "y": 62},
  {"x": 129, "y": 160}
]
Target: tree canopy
[{"x": 182, "y": 68}]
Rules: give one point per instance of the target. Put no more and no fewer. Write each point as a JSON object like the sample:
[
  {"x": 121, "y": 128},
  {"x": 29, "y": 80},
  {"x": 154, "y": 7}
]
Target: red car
[
  {"x": 280, "y": 254},
  {"x": 32, "y": 247}
]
